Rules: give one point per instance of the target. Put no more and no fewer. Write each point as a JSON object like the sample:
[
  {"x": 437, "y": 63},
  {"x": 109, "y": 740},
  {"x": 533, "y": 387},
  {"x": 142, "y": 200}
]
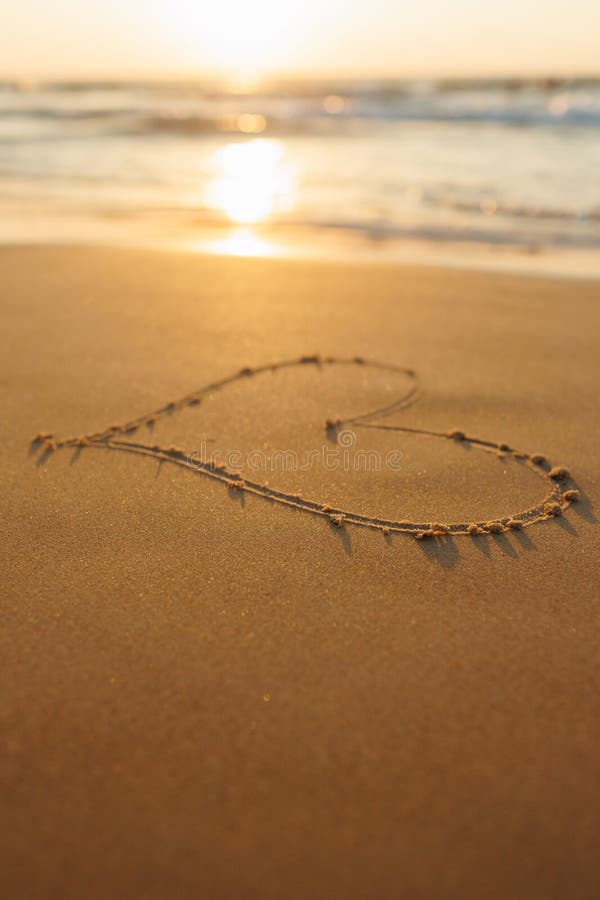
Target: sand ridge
[{"x": 560, "y": 486}]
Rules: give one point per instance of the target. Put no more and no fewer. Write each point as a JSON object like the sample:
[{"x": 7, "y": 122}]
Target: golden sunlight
[
  {"x": 239, "y": 242},
  {"x": 251, "y": 181},
  {"x": 242, "y": 39}
]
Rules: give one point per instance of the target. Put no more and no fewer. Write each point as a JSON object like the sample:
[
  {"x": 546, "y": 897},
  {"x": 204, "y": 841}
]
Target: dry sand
[{"x": 205, "y": 693}]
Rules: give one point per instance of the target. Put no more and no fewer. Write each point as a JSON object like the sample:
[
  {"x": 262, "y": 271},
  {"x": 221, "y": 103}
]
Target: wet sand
[{"x": 210, "y": 692}]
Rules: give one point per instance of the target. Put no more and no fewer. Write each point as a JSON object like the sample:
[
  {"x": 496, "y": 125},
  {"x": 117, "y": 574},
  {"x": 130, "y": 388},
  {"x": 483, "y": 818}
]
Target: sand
[{"x": 207, "y": 692}]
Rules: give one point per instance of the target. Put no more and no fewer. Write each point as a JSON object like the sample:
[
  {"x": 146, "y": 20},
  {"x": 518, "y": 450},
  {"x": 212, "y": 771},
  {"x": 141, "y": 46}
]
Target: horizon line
[{"x": 172, "y": 75}]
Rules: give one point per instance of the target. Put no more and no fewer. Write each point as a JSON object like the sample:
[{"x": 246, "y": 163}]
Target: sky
[{"x": 253, "y": 38}]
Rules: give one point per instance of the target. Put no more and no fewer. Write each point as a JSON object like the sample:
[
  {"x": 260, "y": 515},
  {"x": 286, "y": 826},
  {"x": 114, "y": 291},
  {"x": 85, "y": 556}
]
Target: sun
[{"x": 239, "y": 38}]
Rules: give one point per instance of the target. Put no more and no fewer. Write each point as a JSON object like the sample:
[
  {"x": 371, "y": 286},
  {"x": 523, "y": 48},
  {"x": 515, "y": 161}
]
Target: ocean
[{"x": 505, "y": 165}]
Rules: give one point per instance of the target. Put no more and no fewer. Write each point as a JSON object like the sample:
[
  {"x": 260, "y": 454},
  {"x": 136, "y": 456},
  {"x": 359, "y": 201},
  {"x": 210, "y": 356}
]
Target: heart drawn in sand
[{"x": 559, "y": 487}]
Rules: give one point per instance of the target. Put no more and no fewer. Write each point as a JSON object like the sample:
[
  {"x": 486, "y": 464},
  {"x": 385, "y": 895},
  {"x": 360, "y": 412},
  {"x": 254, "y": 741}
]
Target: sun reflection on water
[
  {"x": 241, "y": 241},
  {"x": 251, "y": 182}
]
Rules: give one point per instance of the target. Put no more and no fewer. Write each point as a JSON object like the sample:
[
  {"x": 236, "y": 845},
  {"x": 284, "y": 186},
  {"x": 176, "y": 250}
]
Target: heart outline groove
[{"x": 561, "y": 489}]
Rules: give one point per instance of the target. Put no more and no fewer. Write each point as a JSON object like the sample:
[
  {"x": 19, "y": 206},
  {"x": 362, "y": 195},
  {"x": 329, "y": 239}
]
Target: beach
[{"x": 210, "y": 692}]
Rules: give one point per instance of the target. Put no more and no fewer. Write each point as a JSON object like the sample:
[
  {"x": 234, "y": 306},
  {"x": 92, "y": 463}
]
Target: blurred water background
[{"x": 377, "y": 164}]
